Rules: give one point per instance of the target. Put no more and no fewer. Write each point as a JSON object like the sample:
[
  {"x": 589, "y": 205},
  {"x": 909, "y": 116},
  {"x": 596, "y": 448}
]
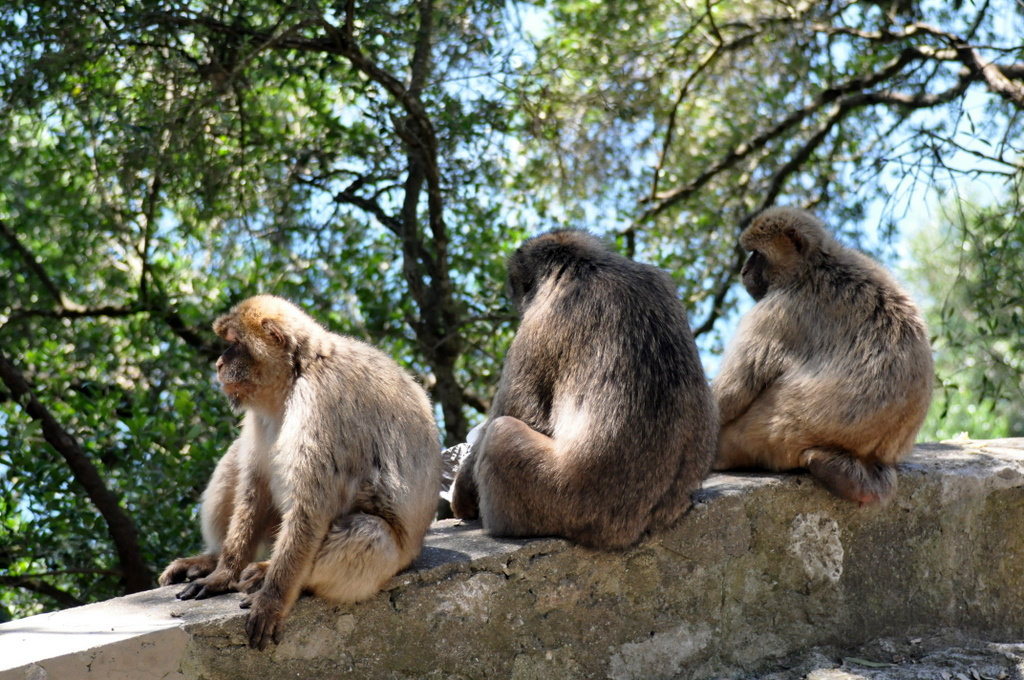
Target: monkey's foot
[
  {"x": 188, "y": 569},
  {"x": 848, "y": 477},
  {"x": 266, "y": 619},
  {"x": 217, "y": 583},
  {"x": 465, "y": 497},
  {"x": 252, "y": 578}
]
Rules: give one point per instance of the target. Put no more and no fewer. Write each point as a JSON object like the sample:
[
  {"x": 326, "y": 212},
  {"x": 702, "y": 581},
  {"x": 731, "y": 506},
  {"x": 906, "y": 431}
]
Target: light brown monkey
[
  {"x": 603, "y": 422},
  {"x": 831, "y": 369},
  {"x": 337, "y": 466}
]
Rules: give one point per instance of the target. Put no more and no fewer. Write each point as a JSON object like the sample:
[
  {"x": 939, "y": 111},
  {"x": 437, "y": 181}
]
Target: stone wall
[{"x": 764, "y": 568}]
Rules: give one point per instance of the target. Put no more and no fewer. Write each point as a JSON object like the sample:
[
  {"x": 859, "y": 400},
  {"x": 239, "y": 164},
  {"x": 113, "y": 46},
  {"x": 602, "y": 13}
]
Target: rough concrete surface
[{"x": 767, "y": 577}]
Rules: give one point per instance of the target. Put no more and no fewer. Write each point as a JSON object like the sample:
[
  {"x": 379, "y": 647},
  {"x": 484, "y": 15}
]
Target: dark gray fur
[{"x": 603, "y": 423}]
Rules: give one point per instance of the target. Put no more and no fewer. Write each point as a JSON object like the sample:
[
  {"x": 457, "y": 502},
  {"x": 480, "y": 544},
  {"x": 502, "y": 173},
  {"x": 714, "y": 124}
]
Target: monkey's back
[
  {"x": 382, "y": 432},
  {"x": 605, "y": 364},
  {"x": 864, "y": 376}
]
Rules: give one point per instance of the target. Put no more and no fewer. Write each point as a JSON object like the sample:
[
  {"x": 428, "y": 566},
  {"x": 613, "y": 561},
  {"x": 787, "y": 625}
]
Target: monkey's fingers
[
  {"x": 190, "y": 591},
  {"x": 176, "y": 571},
  {"x": 188, "y": 569},
  {"x": 209, "y": 591},
  {"x": 205, "y": 588}
]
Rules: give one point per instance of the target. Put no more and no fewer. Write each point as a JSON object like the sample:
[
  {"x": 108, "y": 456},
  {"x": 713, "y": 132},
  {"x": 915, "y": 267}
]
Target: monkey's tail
[{"x": 849, "y": 477}]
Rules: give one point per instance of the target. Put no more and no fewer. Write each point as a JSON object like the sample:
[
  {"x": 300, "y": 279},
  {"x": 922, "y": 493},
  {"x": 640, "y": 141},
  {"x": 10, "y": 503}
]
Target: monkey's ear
[
  {"x": 274, "y": 331},
  {"x": 796, "y": 238},
  {"x": 520, "y": 281}
]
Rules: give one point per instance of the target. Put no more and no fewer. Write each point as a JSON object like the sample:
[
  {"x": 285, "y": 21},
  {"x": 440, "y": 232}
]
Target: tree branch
[
  {"x": 850, "y": 95},
  {"x": 999, "y": 79},
  {"x": 79, "y": 312},
  {"x": 724, "y": 285},
  {"x": 63, "y": 598},
  {"x": 149, "y": 217},
  {"x": 171, "y": 318},
  {"x": 66, "y": 309},
  {"x": 425, "y": 269},
  {"x": 706, "y": 61},
  {"x": 34, "y": 266},
  {"x": 993, "y": 75},
  {"x": 368, "y": 205},
  {"x": 188, "y": 335},
  {"x": 476, "y": 402},
  {"x": 122, "y": 529}
]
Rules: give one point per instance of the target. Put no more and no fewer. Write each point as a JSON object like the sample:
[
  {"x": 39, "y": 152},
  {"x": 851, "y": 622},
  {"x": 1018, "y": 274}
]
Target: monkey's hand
[
  {"x": 188, "y": 569},
  {"x": 465, "y": 497},
  {"x": 217, "y": 583},
  {"x": 266, "y": 618},
  {"x": 251, "y": 579}
]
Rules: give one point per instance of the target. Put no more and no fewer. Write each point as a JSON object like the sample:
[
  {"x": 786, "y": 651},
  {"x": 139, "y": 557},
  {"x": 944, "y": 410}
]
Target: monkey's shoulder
[
  {"x": 338, "y": 366},
  {"x": 616, "y": 282},
  {"x": 337, "y": 350}
]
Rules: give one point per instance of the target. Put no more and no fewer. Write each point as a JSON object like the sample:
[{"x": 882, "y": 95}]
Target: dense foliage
[
  {"x": 376, "y": 162},
  {"x": 973, "y": 275}
]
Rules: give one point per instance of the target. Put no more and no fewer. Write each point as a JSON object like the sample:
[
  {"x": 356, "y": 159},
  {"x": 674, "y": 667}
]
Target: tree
[
  {"x": 165, "y": 162},
  {"x": 376, "y": 163},
  {"x": 676, "y": 123}
]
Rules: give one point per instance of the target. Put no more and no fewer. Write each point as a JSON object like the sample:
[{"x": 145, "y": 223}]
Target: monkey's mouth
[{"x": 236, "y": 393}]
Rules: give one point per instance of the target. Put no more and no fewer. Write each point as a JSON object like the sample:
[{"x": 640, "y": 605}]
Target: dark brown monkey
[
  {"x": 603, "y": 422},
  {"x": 830, "y": 371},
  {"x": 337, "y": 466}
]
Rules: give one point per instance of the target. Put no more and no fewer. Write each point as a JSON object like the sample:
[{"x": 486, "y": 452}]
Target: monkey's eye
[{"x": 233, "y": 351}]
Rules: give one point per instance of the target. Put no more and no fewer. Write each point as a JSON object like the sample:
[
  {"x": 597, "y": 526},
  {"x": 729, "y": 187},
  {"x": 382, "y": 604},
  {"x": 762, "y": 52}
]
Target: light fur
[
  {"x": 831, "y": 370},
  {"x": 337, "y": 467}
]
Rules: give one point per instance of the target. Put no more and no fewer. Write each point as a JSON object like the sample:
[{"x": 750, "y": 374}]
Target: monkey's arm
[
  {"x": 750, "y": 367},
  {"x": 310, "y": 448},
  {"x": 303, "y": 529}
]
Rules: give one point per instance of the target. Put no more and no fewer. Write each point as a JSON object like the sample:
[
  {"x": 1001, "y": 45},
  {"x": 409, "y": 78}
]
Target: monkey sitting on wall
[
  {"x": 337, "y": 466},
  {"x": 603, "y": 422},
  {"x": 831, "y": 369}
]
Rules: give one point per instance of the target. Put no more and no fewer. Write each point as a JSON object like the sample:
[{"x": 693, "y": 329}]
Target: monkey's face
[
  {"x": 256, "y": 370},
  {"x": 244, "y": 370},
  {"x": 236, "y": 371},
  {"x": 754, "y": 276}
]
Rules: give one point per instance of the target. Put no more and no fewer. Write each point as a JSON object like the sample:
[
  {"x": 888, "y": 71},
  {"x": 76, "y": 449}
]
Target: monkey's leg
[
  {"x": 360, "y": 553},
  {"x": 849, "y": 477},
  {"x": 732, "y": 450},
  {"x": 762, "y": 437},
  {"x": 519, "y": 476},
  {"x": 753, "y": 441}
]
